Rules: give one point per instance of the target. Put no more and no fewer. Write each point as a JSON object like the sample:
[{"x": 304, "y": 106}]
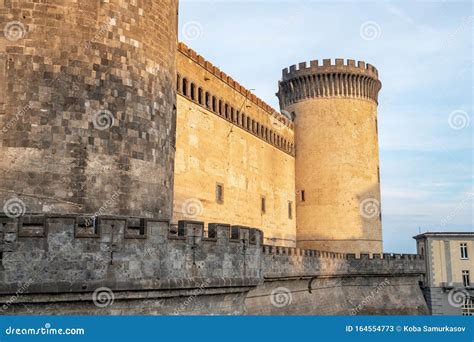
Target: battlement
[
  {"x": 193, "y": 55},
  {"x": 328, "y": 66},
  {"x": 343, "y": 78},
  {"x": 291, "y": 251},
  {"x": 71, "y": 253}
]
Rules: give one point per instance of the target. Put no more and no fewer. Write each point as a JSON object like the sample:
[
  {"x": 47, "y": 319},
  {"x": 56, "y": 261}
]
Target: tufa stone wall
[
  {"x": 87, "y": 107},
  {"x": 337, "y": 162},
  {"x": 226, "y": 136}
]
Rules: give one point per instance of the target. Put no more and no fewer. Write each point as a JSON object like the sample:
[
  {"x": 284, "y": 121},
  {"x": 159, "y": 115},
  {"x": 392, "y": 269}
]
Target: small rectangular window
[
  {"x": 302, "y": 195},
  {"x": 463, "y": 247},
  {"x": 219, "y": 193},
  {"x": 465, "y": 278},
  {"x": 290, "y": 210},
  {"x": 263, "y": 205}
]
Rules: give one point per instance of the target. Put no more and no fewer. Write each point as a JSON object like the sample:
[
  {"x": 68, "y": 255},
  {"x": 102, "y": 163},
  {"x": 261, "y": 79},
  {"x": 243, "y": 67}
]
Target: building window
[
  {"x": 463, "y": 247},
  {"x": 200, "y": 96},
  {"x": 220, "y": 193},
  {"x": 465, "y": 278},
  {"x": 302, "y": 195},
  {"x": 214, "y": 104},
  {"x": 193, "y": 92},
  {"x": 468, "y": 307},
  {"x": 290, "y": 210},
  {"x": 263, "y": 205},
  {"x": 185, "y": 87}
]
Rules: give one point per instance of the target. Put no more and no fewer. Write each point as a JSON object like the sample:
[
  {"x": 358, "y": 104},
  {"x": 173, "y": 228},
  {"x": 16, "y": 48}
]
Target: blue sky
[{"x": 423, "y": 51}]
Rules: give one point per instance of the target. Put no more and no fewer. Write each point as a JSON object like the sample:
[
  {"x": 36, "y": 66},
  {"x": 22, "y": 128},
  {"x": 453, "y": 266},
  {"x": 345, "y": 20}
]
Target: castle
[
  {"x": 309, "y": 178},
  {"x": 136, "y": 171}
]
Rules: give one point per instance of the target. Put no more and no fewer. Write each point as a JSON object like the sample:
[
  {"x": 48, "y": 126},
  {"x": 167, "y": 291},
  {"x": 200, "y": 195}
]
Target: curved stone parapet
[
  {"x": 328, "y": 80},
  {"x": 59, "y": 262}
]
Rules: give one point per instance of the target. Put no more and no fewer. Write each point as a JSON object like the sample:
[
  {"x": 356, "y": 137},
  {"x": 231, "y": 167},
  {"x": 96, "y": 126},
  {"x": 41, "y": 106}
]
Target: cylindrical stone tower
[
  {"x": 87, "y": 106},
  {"x": 337, "y": 163}
]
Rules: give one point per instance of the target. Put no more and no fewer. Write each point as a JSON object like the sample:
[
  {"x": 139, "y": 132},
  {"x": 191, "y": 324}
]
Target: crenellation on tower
[
  {"x": 341, "y": 78},
  {"x": 126, "y": 147},
  {"x": 327, "y": 65}
]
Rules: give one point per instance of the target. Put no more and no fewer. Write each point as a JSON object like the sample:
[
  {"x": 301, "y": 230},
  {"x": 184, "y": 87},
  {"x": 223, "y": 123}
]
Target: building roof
[{"x": 444, "y": 234}]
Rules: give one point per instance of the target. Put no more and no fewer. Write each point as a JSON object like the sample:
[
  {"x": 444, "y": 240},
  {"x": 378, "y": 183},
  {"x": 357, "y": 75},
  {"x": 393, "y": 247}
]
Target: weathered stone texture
[
  {"x": 226, "y": 135},
  {"x": 57, "y": 269},
  {"x": 337, "y": 162},
  {"x": 76, "y": 60}
]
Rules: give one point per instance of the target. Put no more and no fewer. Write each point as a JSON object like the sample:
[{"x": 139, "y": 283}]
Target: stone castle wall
[
  {"x": 337, "y": 162},
  {"x": 227, "y": 136},
  {"x": 87, "y": 106},
  {"x": 54, "y": 265}
]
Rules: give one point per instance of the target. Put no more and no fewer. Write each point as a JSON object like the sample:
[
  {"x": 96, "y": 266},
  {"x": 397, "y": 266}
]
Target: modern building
[{"x": 448, "y": 282}]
